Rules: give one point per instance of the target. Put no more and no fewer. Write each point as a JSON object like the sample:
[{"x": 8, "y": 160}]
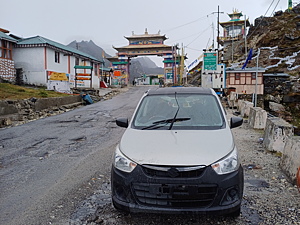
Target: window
[
  {"x": 76, "y": 61},
  {"x": 5, "y": 49},
  {"x": 237, "y": 76},
  {"x": 253, "y": 76},
  {"x": 197, "y": 111},
  {"x": 57, "y": 57}
]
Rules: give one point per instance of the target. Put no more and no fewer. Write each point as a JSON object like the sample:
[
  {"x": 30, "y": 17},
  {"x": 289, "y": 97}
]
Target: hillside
[
  {"x": 276, "y": 38},
  {"x": 92, "y": 49}
]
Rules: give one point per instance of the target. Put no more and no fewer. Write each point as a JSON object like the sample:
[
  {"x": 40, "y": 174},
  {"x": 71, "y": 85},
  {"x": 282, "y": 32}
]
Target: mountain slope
[
  {"x": 92, "y": 49},
  {"x": 276, "y": 38}
]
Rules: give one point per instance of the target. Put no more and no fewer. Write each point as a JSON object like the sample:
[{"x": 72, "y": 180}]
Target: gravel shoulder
[{"x": 268, "y": 195}]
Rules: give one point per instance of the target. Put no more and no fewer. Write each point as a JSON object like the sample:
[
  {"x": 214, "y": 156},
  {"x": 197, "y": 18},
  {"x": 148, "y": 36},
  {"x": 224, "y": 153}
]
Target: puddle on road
[
  {"x": 98, "y": 209},
  {"x": 249, "y": 212},
  {"x": 88, "y": 210},
  {"x": 258, "y": 183}
]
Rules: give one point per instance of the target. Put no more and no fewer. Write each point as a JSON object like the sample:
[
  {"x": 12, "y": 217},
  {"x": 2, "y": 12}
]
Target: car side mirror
[
  {"x": 235, "y": 122},
  {"x": 122, "y": 122}
]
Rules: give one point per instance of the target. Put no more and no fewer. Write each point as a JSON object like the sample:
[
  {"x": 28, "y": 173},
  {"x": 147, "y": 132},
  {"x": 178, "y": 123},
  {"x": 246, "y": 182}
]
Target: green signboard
[
  {"x": 210, "y": 61},
  {"x": 169, "y": 75}
]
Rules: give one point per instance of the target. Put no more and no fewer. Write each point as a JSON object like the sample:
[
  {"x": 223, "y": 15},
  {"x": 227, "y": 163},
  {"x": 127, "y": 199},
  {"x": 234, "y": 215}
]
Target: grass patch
[{"x": 14, "y": 92}]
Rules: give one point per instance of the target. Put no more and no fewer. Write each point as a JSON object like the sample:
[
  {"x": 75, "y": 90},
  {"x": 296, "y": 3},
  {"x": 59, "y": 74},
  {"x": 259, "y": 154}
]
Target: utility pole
[
  {"x": 213, "y": 41},
  {"x": 245, "y": 30},
  {"x": 218, "y": 25},
  {"x": 256, "y": 77},
  {"x": 181, "y": 65},
  {"x": 232, "y": 36}
]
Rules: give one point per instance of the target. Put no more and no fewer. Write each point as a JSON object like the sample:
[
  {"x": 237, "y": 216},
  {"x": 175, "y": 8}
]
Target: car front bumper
[{"x": 203, "y": 192}]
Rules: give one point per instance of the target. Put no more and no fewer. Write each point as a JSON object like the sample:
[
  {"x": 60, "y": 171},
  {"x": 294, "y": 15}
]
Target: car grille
[
  {"x": 174, "y": 195},
  {"x": 173, "y": 172}
]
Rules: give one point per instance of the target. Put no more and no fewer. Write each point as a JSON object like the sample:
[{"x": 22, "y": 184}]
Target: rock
[
  {"x": 7, "y": 122},
  {"x": 276, "y": 107}
]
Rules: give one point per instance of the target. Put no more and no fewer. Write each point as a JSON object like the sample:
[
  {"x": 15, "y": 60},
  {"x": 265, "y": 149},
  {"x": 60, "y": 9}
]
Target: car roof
[{"x": 180, "y": 90}]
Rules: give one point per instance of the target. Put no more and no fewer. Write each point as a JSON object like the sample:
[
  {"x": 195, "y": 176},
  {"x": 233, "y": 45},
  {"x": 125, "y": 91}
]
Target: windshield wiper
[
  {"x": 173, "y": 121},
  {"x": 156, "y": 124}
]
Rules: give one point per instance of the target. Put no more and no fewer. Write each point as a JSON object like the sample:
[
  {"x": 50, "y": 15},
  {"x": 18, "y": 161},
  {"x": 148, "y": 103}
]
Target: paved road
[
  {"x": 57, "y": 171},
  {"x": 44, "y": 161}
]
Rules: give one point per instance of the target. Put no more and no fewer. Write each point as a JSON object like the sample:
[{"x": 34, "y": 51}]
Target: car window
[{"x": 198, "y": 111}]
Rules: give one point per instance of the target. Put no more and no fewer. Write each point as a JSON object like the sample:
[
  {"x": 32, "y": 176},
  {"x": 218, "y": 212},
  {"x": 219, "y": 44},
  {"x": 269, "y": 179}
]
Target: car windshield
[{"x": 179, "y": 111}]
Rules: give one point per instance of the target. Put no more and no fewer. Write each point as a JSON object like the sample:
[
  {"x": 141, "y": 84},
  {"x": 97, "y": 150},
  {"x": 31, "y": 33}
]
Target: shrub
[{"x": 43, "y": 94}]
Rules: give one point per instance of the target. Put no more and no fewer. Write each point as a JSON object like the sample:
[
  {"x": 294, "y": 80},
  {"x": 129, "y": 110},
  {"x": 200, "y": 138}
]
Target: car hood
[{"x": 176, "y": 147}]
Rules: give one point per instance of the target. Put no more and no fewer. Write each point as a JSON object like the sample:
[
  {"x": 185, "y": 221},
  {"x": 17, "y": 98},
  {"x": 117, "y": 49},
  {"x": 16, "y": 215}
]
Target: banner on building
[{"x": 57, "y": 76}]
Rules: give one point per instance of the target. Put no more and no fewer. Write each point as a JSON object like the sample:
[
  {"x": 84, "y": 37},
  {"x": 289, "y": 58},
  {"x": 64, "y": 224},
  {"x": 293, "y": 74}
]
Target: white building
[
  {"x": 48, "y": 63},
  {"x": 215, "y": 79}
]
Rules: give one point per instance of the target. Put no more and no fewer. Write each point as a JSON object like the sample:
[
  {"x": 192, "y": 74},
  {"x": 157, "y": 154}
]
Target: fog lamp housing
[{"x": 231, "y": 195}]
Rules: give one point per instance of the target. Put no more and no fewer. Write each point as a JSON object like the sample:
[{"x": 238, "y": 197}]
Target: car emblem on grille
[{"x": 173, "y": 172}]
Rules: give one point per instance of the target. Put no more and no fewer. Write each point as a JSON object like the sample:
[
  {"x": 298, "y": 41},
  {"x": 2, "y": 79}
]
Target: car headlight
[
  {"x": 122, "y": 163},
  {"x": 228, "y": 164}
]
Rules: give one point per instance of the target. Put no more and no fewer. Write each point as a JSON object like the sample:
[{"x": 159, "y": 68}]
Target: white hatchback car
[{"x": 178, "y": 155}]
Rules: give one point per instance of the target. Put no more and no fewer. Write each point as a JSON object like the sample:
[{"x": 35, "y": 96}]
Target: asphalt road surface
[
  {"x": 57, "y": 171},
  {"x": 49, "y": 160}
]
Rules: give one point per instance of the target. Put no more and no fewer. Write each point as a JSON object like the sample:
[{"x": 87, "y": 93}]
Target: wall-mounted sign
[
  {"x": 82, "y": 78},
  {"x": 117, "y": 73},
  {"x": 210, "y": 61},
  {"x": 57, "y": 76}
]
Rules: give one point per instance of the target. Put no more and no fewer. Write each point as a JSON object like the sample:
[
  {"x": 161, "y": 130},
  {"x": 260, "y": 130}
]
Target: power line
[
  {"x": 198, "y": 36},
  {"x": 190, "y": 35},
  {"x": 261, "y": 19},
  {"x": 198, "y": 50},
  {"x": 174, "y": 28},
  {"x": 275, "y": 7}
]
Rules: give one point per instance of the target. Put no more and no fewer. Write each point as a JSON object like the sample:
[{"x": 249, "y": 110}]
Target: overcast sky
[{"x": 191, "y": 23}]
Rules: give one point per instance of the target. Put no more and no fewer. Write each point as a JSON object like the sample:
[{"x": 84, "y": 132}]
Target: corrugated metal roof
[
  {"x": 247, "y": 69},
  {"x": 276, "y": 75},
  {"x": 106, "y": 69},
  {"x": 143, "y": 36},
  {"x": 83, "y": 67},
  {"x": 7, "y": 37},
  {"x": 38, "y": 40},
  {"x": 143, "y": 46}
]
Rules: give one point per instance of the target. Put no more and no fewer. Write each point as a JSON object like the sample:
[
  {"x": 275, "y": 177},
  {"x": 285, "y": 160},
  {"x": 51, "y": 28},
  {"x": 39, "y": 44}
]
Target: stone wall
[
  {"x": 13, "y": 112},
  {"x": 290, "y": 161},
  {"x": 278, "y": 138},
  {"x": 286, "y": 92},
  {"x": 277, "y": 131},
  {"x": 7, "y": 70},
  {"x": 257, "y": 118}
]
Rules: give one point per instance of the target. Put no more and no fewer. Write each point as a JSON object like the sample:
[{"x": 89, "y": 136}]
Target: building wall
[
  {"x": 245, "y": 84},
  {"x": 61, "y": 66},
  {"x": 36, "y": 62},
  {"x": 31, "y": 60},
  {"x": 214, "y": 80}
]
